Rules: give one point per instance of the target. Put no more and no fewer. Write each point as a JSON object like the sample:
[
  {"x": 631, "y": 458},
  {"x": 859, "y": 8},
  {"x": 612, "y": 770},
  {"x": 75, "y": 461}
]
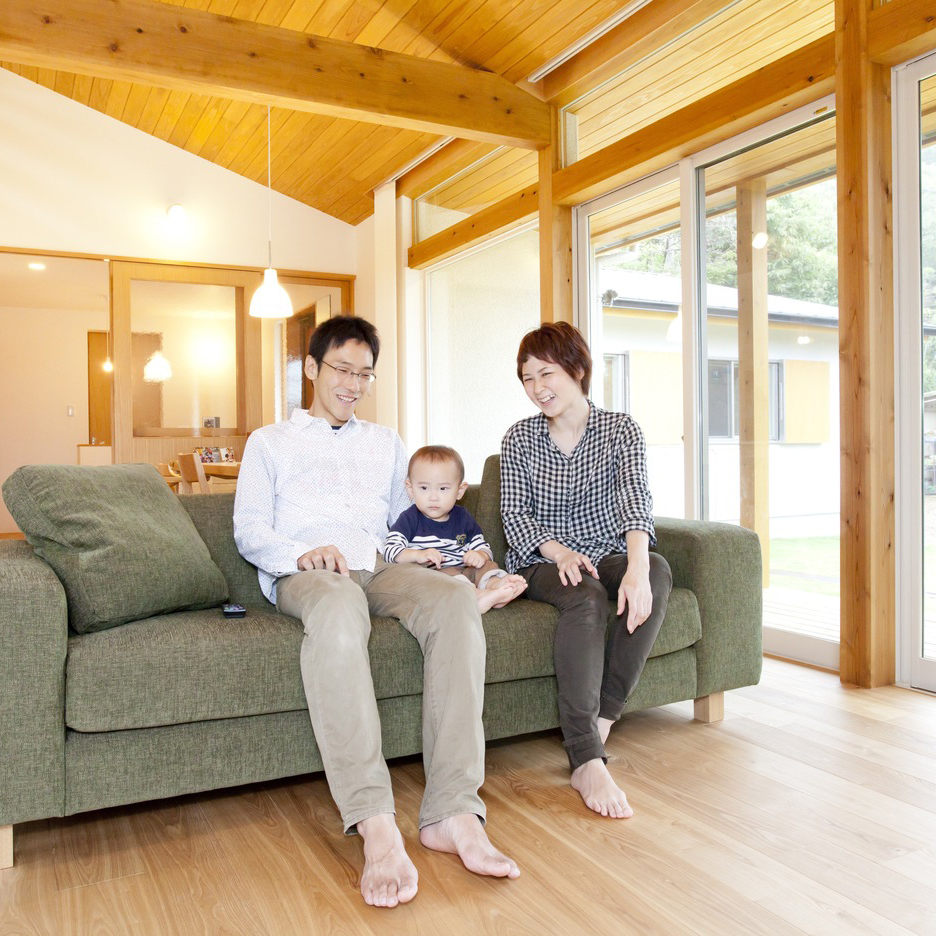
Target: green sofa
[{"x": 187, "y": 701}]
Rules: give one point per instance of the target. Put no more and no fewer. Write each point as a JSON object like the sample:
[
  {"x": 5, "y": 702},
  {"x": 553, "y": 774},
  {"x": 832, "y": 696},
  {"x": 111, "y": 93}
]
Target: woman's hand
[
  {"x": 570, "y": 564},
  {"x": 634, "y": 592}
]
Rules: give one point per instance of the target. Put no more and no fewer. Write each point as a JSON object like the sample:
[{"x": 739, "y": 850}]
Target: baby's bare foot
[
  {"x": 599, "y": 791},
  {"x": 464, "y": 836},
  {"x": 389, "y": 877}
]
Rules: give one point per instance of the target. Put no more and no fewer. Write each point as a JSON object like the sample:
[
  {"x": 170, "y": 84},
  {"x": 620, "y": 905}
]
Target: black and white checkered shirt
[{"x": 587, "y": 501}]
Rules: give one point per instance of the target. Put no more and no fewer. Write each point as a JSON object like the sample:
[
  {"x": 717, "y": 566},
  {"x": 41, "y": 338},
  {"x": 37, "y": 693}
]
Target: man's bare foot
[
  {"x": 599, "y": 790},
  {"x": 604, "y": 728},
  {"x": 389, "y": 877},
  {"x": 464, "y": 836}
]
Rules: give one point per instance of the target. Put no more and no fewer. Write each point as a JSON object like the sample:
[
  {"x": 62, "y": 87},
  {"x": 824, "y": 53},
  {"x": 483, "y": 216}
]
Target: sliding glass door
[
  {"x": 710, "y": 293},
  {"x": 915, "y": 226},
  {"x": 633, "y": 294},
  {"x": 770, "y": 440}
]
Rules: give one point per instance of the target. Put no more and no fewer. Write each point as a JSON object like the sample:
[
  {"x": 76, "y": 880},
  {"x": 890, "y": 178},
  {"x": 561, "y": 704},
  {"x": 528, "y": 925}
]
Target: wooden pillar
[
  {"x": 555, "y": 237},
  {"x": 753, "y": 382},
  {"x": 866, "y": 352}
]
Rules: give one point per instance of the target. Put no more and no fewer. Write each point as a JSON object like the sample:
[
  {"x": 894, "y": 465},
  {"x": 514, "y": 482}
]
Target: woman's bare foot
[
  {"x": 599, "y": 790},
  {"x": 464, "y": 836},
  {"x": 389, "y": 877},
  {"x": 604, "y": 728}
]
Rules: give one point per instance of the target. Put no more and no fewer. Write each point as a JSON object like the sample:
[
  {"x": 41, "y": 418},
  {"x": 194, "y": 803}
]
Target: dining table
[{"x": 221, "y": 469}]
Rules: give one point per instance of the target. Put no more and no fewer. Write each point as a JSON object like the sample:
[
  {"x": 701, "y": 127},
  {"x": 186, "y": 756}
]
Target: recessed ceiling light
[{"x": 36, "y": 266}]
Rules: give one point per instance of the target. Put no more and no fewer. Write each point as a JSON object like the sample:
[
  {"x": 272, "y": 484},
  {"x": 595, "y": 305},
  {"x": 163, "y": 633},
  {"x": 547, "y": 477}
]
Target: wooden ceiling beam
[
  {"x": 204, "y": 53},
  {"x": 481, "y": 226},
  {"x": 901, "y": 30},
  {"x": 629, "y": 42}
]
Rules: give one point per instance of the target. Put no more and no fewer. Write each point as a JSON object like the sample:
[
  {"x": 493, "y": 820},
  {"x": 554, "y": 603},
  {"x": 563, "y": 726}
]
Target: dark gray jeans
[{"x": 596, "y": 675}]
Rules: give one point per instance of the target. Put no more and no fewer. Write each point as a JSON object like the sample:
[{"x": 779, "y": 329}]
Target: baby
[{"x": 434, "y": 531}]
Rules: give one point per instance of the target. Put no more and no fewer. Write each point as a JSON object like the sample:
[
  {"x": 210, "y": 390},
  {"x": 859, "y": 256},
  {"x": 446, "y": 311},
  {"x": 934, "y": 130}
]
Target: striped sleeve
[
  {"x": 399, "y": 536},
  {"x": 476, "y": 538}
]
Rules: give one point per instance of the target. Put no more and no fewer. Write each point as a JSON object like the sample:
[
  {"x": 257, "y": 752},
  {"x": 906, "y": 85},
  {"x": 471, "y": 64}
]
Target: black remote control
[{"x": 233, "y": 610}]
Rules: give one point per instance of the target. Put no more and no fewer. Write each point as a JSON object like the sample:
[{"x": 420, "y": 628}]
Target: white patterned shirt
[
  {"x": 303, "y": 484},
  {"x": 587, "y": 501}
]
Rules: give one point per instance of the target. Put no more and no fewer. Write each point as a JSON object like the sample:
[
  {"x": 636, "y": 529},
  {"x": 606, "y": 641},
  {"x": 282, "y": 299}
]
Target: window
[
  {"x": 723, "y": 390},
  {"x": 616, "y": 383}
]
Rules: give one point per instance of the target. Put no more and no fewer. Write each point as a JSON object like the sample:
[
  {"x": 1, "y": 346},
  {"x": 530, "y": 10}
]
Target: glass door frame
[
  {"x": 690, "y": 171},
  {"x": 912, "y": 669}
]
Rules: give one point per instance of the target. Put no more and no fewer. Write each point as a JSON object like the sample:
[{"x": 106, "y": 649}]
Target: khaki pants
[{"x": 442, "y": 615}]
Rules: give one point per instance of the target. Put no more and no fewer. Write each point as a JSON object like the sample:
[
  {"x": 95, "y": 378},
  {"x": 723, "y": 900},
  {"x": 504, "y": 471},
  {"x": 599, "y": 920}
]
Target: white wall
[
  {"x": 45, "y": 370},
  {"x": 72, "y": 179}
]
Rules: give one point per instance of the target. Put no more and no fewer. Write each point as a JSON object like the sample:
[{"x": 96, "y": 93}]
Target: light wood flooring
[{"x": 810, "y": 809}]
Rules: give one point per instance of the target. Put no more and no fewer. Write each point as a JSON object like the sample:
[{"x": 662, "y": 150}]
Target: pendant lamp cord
[{"x": 270, "y": 194}]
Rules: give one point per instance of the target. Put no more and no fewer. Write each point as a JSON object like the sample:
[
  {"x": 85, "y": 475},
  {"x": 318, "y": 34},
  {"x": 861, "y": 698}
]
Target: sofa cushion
[
  {"x": 214, "y": 519},
  {"x": 520, "y": 636},
  {"x": 118, "y": 539},
  {"x": 197, "y": 665}
]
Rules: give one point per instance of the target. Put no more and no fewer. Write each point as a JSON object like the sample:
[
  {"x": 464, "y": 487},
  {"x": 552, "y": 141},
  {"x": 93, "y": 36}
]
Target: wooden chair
[
  {"x": 172, "y": 479},
  {"x": 190, "y": 466}
]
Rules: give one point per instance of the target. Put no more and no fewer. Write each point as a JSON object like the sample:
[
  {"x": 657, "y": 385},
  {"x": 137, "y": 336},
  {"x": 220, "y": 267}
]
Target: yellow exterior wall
[
  {"x": 806, "y": 401},
  {"x": 656, "y": 395}
]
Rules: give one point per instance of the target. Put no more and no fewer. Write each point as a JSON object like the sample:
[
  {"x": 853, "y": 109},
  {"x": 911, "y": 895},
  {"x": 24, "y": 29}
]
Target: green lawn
[
  {"x": 806, "y": 564},
  {"x": 812, "y": 564}
]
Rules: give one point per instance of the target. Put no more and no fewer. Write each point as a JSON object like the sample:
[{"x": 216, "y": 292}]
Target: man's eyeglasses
[{"x": 345, "y": 372}]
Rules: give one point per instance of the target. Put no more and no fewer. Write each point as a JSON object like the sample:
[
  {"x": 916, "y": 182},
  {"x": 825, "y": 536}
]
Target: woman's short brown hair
[{"x": 561, "y": 344}]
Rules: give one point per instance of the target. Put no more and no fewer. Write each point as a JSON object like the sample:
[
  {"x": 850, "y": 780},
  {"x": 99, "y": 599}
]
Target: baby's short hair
[{"x": 437, "y": 454}]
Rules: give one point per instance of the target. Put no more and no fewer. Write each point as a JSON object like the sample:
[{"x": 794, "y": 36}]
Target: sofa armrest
[
  {"x": 33, "y": 648},
  {"x": 721, "y": 565}
]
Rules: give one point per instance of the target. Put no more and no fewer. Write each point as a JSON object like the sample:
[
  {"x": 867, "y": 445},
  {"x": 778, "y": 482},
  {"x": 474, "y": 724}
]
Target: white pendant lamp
[{"x": 270, "y": 300}]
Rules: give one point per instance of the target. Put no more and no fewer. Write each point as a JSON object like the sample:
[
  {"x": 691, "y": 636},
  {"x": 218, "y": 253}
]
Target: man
[{"x": 315, "y": 495}]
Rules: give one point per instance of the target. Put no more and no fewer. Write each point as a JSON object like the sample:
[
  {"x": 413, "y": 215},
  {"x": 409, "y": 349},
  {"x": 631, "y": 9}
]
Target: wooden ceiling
[
  {"x": 333, "y": 164},
  {"x": 725, "y": 41}
]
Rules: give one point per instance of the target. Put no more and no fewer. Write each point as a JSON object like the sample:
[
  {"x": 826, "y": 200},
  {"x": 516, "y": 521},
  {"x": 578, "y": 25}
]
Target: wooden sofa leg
[
  {"x": 6, "y": 846},
  {"x": 710, "y": 708}
]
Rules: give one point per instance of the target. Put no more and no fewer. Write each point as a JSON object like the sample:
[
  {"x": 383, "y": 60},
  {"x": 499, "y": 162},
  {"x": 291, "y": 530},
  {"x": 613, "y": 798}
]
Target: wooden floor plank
[
  {"x": 809, "y": 809},
  {"x": 777, "y": 829},
  {"x": 632, "y": 848},
  {"x": 94, "y": 852},
  {"x": 273, "y": 854}
]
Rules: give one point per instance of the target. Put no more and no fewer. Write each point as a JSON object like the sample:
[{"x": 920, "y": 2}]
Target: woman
[{"x": 577, "y": 515}]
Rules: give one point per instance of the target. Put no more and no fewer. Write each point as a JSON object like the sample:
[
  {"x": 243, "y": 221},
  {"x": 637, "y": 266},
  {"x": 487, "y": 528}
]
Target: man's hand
[
  {"x": 328, "y": 558},
  {"x": 475, "y": 558},
  {"x": 420, "y": 556}
]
